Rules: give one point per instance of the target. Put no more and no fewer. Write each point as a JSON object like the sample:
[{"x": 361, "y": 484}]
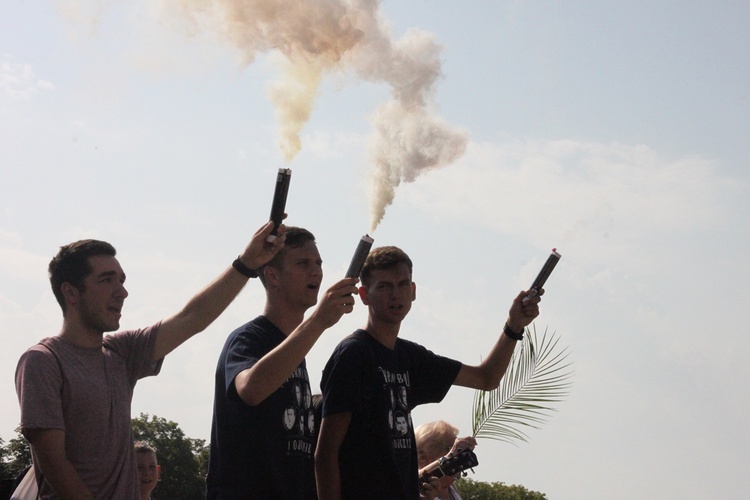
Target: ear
[
  {"x": 271, "y": 275},
  {"x": 413, "y": 291},
  {"x": 363, "y": 295},
  {"x": 70, "y": 293}
]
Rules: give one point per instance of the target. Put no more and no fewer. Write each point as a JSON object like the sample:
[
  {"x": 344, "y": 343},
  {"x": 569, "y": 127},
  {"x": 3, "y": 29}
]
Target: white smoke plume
[{"x": 319, "y": 36}]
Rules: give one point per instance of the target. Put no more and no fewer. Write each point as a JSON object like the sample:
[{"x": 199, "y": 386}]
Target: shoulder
[
  {"x": 349, "y": 356},
  {"x": 410, "y": 347},
  {"x": 48, "y": 348},
  {"x": 358, "y": 343},
  {"x": 39, "y": 354},
  {"x": 420, "y": 356},
  {"x": 127, "y": 339},
  {"x": 259, "y": 327},
  {"x": 39, "y": 367},
  {"x": 253, "y": 339}
]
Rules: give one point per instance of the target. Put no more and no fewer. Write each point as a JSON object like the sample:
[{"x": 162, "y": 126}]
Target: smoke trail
[
  {"x": 312, "y": 35},
  {"x": 406, "y": 144},
  {"x": 318, "y": 36},
  {"x": 293, "y": 99}
]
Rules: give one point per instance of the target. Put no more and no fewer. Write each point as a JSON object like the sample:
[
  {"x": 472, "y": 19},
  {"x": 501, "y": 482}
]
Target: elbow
[
  {"x": 489, "y": 386},
  {"x": 251, "y": 398},
  {"x": 249, "y": 388},
  {"x": 325, "y": 459},
  {"x": 488, "y": 376},
  {"x": 322, "y": 470},
  {"x": 248, "y": 392},
  {"x": 320, "y": 458},
  {"x": 489, "y": 382}
]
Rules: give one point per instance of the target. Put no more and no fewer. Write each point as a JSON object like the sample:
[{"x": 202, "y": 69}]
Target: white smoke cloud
[{"x": 318, "y": 37}]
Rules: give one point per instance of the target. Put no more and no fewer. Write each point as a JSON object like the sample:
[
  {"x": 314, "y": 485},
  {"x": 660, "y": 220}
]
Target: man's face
[
  {"x": 301, "y": 274},
  {"x": 390, "y": 293},
  {"x": 148, "y": 472},
  {"x": 100, "y": 303}
]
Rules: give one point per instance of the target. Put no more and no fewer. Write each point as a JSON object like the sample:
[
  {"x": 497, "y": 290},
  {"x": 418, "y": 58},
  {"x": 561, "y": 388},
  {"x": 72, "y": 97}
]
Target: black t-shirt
[
  {"x": 380, "y": 387},
  {"x": 266, "y": 451}
]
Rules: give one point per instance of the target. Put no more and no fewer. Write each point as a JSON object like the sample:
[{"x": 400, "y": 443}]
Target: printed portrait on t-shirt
[
  {"x": 402, "y": 425},
  {"x": 402, "y": 399},
  {"x": 311, "y": 422},
  {"x": 307, "y": 398},
  {"x": 297, "y": 394},
  {"x": 290, "y": 417}
]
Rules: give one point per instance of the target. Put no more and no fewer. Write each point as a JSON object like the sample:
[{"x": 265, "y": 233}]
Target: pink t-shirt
[{"x": 87, "y": 393}]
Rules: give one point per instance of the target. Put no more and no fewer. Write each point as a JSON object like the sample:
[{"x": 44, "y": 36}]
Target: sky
[{"x": 474, "y": 135}]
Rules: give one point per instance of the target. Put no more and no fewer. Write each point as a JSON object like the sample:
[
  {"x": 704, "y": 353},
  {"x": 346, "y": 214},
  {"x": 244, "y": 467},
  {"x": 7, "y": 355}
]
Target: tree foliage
[
  {"x": 478, "y": 490},
  {"x": 182, "y": 459},
  {"x": 15, "y": 455}
]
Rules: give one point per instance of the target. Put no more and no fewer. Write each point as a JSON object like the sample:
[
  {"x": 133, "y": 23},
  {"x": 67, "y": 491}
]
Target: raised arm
[
  {"x": 48, "y": 447},
  {"x": 210, "y": 302},
  {"x": 255, "y": 384},
  {"x": 487, "y": 375},
  {"x": 333, "y": 429}
]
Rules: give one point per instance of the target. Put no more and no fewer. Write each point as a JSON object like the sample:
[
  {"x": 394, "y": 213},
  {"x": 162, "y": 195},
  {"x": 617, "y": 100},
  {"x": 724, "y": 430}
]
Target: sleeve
[
  {"x": 39, "y": 389},
  {"x": 243, "y": 351},
  {"x": 345, "y": 379},
  {"x": 136, "y": 347},
  {"x": 433, "y": 375}
]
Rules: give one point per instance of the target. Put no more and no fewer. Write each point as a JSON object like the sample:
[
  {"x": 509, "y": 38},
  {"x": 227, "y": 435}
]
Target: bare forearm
[
  {"x": 328, "y": 477},
  {"x": 65, "y": 481},
  {"x": 333, "y": 429},
  {"x": 58, "y": 471},
  {"x": 257, "y": 383},
  {"x": 210, "y": 302},
  {"x": 199, "y": 312},
  {"x": 268, "y": 374},
  {"x": 495, "y": 365},
  {"x": 487, "y": 375}
]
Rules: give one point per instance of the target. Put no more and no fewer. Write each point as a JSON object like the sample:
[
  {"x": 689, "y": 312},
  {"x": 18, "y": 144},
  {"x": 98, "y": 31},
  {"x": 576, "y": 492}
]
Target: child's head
[{"x": 148, "y": 468}]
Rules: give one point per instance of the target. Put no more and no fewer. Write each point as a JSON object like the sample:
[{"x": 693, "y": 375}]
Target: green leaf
[{"x": 537, "y": 377}]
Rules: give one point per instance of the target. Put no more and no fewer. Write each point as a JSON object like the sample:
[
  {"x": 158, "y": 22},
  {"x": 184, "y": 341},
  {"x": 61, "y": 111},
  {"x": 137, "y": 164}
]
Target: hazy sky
[{"x": 617, "y": 132}]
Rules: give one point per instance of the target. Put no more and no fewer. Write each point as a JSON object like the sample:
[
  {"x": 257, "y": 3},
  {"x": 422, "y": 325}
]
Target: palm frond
[{"x": 538, "y": 376}]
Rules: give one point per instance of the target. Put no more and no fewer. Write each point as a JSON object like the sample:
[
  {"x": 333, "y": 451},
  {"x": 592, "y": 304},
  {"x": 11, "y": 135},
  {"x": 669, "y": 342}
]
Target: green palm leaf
[{"x": 537, "y": 377}]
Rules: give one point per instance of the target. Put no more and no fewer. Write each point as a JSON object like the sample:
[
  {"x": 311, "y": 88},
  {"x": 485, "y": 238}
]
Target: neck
[
  {"x": 81, "y": 335},
  {"x": 386, "y": 334},
  {"x": 286, "y": 319}
]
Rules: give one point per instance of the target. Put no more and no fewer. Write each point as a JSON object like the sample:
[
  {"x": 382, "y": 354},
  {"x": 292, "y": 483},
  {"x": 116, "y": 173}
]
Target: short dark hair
[
  {"x": 144, "y": 447},
  {"x": 295, "y": 238},
  {"x": 381, "y": 258},
  {"x": 71, "y": 265}
]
